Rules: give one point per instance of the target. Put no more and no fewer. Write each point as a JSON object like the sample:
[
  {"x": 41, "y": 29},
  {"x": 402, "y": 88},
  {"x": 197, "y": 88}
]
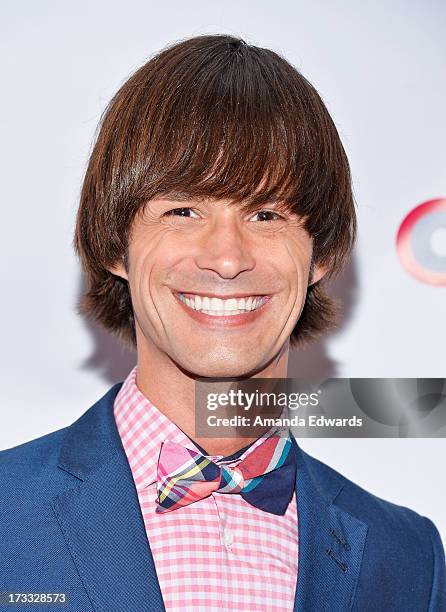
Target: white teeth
[
  {"x": 230, "y": 304},
  {"x": 218, "y": 307}
]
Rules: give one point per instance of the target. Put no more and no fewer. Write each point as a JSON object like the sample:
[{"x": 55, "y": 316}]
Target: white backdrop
[{"x": 380, "y": 68}]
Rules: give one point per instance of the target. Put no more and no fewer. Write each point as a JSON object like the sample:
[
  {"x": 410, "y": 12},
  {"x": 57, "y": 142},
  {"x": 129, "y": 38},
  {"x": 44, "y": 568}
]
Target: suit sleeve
[{"x": 437, "y": 601}]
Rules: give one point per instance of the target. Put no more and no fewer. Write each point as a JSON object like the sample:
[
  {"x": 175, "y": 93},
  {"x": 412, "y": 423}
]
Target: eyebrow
[
  {"x": 181, "y": 196},
  {"x": 184, "y": 196}
]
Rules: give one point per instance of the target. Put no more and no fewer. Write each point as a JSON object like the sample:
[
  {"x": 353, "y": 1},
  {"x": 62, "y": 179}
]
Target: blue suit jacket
[{"x": 70, "y": 521}]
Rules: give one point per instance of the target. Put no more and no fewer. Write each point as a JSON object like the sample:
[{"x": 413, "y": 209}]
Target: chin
[{"x": 218, "y": 367}]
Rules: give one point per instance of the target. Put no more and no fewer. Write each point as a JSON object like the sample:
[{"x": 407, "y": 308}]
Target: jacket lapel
[
  {"x": 100, "y": 517},
  {"x": 331, "y": 541}
]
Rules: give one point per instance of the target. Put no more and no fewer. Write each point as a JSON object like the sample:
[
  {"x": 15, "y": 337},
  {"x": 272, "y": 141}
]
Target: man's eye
[
  {"x": 266, "y": 215},
  {"x": 181, "y": 212}
]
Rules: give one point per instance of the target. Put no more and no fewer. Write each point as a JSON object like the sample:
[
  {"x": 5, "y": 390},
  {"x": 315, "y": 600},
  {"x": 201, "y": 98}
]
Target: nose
[{"x": 225, "y": 248}]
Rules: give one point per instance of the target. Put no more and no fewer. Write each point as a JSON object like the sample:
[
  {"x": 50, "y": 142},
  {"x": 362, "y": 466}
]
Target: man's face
[{"x": 216, "y": 289}]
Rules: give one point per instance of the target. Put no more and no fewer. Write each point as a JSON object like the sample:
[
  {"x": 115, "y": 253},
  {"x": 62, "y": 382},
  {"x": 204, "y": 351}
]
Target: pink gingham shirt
[{"x": 219, "y": 553}]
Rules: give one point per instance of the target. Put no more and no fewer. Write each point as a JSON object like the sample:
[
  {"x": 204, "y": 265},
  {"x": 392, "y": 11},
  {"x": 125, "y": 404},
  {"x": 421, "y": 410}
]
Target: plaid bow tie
[{"x": 185, "y": 476}]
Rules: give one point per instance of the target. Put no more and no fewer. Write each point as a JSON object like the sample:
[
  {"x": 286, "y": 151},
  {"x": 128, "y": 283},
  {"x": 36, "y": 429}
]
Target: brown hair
[{"x": 212, "y": 116}]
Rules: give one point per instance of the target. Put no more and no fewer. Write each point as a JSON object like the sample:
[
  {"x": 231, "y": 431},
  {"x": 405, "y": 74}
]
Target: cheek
[
  {"x": 295, "y": 263},
  {"x": 150, "y": 254}
]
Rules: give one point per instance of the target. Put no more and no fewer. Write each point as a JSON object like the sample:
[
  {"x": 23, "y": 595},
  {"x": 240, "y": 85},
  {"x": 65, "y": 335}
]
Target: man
[{"x": 216, "y": 204}]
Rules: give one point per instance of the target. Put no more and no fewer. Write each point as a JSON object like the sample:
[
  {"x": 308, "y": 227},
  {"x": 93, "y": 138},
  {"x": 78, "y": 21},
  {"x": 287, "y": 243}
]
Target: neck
[{"x": 172, "y": 390}]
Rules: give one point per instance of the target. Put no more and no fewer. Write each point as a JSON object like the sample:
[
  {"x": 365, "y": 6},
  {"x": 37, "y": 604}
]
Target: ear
[
  {"x": 118, "y": 269},
  {"x": 317, "y": 273}
]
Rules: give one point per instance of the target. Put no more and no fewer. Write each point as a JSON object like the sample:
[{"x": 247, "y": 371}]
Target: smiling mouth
[{"x": 219, "y": 307}]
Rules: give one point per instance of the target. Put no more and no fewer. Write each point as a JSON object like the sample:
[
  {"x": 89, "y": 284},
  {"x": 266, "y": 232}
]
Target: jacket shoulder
[
  {"x": 353, "y": 497},
  {"x": 28, "y": 471},
  {"x": 29, "y": 458}
]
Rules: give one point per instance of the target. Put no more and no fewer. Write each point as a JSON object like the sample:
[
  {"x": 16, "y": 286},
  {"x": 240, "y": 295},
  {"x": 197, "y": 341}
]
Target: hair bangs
[{"x": 230, "y": 131}]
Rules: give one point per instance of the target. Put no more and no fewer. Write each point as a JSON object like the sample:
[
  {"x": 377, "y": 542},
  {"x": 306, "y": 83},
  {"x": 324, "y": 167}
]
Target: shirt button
[{"x": 227, "y": 538}]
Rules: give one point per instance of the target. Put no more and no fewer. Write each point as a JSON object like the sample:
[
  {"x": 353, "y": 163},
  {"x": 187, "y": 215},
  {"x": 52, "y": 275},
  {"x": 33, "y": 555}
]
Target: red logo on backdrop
[{"x": 421, "y": 242}]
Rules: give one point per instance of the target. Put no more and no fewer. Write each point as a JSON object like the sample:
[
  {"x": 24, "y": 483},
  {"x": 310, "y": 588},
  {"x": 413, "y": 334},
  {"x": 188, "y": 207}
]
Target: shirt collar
[{"x": 143, "y": 428}]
